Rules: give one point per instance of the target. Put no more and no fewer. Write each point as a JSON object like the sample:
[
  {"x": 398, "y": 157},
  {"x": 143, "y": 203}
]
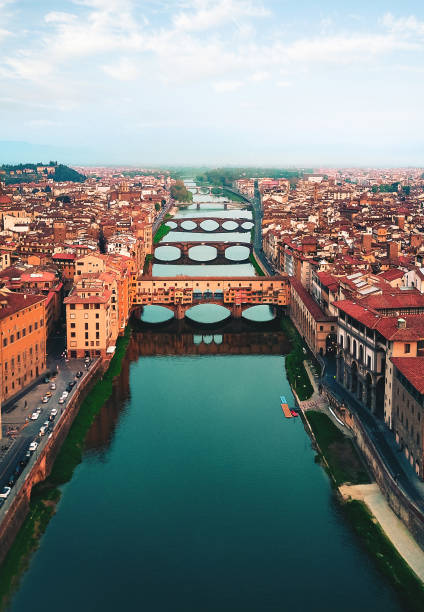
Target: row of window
[{"x": 22, "y": 333}]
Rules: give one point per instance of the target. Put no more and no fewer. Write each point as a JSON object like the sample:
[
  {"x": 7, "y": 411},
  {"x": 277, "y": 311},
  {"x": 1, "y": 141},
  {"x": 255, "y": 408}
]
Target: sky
[{"x": 215, "y": 82}]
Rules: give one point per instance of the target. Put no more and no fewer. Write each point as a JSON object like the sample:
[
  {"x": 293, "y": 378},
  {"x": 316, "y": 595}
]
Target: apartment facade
[{"x": 22, "y": 341}]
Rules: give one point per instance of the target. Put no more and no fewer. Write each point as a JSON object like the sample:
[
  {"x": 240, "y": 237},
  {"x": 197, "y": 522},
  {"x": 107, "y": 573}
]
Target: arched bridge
[
  {"x": 237, "y": 294},
  {"x": 221, "y": 249},
  {"x": 206, "y": 190},
  {"x": 222, "y": 224}
]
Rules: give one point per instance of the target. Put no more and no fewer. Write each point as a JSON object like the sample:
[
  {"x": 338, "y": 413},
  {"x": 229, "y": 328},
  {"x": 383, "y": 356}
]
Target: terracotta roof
[
  {"x": 395, "y": 300},
  {"x": 309, "y": 301},
  {"x": 13, "y": 302},
  {"x": 391, "y": 274},
  {"x": 412, "y": 368}
]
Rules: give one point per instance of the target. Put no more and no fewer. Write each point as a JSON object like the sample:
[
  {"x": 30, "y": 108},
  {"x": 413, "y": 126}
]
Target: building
[
  {"x": 22, "y": 341},
  {"x": 318, "y": 329},
  {"x": 90, "y": 318},
  {"x": 408, "y": 408}
]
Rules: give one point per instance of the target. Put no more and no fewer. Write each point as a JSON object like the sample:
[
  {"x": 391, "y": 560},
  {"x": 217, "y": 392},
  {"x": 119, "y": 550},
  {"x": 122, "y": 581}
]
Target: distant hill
[{"x": 29, "y": 172}]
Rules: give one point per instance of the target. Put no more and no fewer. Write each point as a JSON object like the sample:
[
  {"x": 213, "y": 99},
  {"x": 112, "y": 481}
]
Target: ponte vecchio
[{"x": 237, "y": 294}]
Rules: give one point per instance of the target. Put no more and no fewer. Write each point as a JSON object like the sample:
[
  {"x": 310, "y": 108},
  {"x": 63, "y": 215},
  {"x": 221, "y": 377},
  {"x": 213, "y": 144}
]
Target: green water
[{"x": 195, "y": 493}]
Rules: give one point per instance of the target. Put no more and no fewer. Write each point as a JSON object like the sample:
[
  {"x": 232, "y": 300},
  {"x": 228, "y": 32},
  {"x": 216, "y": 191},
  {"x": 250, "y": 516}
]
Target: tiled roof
[
  {"x": 309, "y": 301},
  {"x": 412, "y": 368},
  {"x": 13, "y": 302}
]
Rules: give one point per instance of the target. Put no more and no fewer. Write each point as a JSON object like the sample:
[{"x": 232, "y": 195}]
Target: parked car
[
  {"x": 78, "y": 374},
  {"x": 53, "y": 386},
  {"x": 35, "y": 415},
  {"x": 43, "y": 429},
  {"x": 2, "y": 500},
  {"x": 33, "y": 446},
  {"x": 12, "y": 480},
  {"x": 5, "y": 492},
  {"x": 47, "y": 379},
  {"x": 87, "y": 360}
]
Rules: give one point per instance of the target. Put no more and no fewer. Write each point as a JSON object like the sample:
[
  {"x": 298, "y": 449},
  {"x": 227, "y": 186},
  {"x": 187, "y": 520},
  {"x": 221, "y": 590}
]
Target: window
[
  {"x": 36, "y": 325},
  {"x": 73, "y": 334},
  {"x": 321, "y": 328},
  {"x": 4, "y": 341},
  {"x": 24, "y": 332},
  {"x": 86, "y": 335},
  {"x": 72, "y": 325},
  {"x": 72, "y": 306},
  {"x": 85, "y": 325},
  {"x": 12, "y": 338},
  {"x": 407, "y": 348},
  {"x": 86, "y": 306}
]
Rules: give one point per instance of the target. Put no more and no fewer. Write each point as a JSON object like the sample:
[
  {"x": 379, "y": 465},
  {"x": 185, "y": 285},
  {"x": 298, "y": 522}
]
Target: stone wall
[
  {"x": 398, "y": 500},
  {"x": 42, "y": 467}
]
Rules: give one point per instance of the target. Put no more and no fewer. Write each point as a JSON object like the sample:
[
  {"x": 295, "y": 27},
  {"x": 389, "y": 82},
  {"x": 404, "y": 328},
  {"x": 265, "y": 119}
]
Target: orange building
[{"x": 22, "y": 341}]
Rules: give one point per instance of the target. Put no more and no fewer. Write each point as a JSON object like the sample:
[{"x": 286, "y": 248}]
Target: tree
[
  {"x": 157, "y": 206},
  {"x": 180, "y": 193}
]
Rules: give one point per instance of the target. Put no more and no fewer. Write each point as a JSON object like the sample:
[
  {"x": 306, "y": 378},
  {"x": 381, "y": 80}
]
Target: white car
[
  {"x": 33, "y": 446},
  {"x": 5, "y": 492},
  {"x": 43, "y": 429},
  {"x": 65, "y": 394},
  {"x": 53, "y": 386},
  {"x": 61, "y": 400},
  {"x": 53, "y": 412},
  {"x": 35, "y": 415},
  {"x": 45, "y": 399}
]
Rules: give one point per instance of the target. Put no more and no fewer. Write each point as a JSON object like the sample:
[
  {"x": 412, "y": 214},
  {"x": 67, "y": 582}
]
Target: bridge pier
[
  {"x": 179, "y": 312},
  {"x": 236, "y": 311}
]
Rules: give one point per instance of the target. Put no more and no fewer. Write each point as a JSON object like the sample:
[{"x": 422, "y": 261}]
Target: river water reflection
[{"x": 195, "y": 494}]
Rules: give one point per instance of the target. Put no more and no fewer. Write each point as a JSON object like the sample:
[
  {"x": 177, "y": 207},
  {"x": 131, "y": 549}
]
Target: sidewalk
[
  {"x": 392, "y": 526},
  {"x": 370, "y": 494}
]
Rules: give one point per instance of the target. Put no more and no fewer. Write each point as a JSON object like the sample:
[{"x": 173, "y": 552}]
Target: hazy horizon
[{"x": 202, "y": 82}]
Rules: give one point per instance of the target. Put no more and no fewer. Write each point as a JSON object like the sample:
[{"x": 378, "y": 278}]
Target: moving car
[
  {"x": 65, "y": 394},
  {"x": 33, "y": 446},
  {"x": 53, "y": 386},
  {"x": 5, "y": 492},
  {"x": 35, "y": 415},
  {"x": 45, "y": 399},
  {"x": 78, "y": 374},
  {"x": 44, "y": 428},
  {"x": 53, "y": 412}
]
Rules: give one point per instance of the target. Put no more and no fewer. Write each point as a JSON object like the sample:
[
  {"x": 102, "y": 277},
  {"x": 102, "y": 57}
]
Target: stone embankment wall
[
  {"x": 39, "y": 470},
  {"x": 401, "y": 504}
]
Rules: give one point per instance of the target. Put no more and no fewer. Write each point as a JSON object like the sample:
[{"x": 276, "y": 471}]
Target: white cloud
[
  {"x": 403, "y": 25},
  {"x": 226, "y": 86},
  {"x": 124, "y": 70},
  {"x": 207, "y": 14}
]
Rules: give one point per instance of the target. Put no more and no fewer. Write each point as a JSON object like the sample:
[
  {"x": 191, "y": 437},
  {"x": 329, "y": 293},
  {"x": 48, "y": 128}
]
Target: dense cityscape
[
  {"x": 338, "y": 252},
  {"x": 211, "y": 306}
]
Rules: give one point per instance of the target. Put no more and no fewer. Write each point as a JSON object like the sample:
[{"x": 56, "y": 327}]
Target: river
[{"x": 195, "y": 494}]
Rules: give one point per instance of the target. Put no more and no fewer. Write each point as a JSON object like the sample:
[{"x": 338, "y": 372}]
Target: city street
[{"x": 17, "y": 414}]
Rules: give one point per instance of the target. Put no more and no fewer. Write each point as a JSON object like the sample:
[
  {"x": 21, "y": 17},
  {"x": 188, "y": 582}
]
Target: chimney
[{"x": 401, "y": 323}]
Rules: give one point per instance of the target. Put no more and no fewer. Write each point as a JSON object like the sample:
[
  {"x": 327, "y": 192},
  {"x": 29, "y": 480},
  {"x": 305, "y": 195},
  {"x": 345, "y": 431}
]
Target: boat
[
  {"x": 294, "y": 413},
  {"x": 285, "y": 407}
]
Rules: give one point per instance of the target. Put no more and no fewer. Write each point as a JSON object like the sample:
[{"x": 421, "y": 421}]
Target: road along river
[{"x": 195, "y": 494}]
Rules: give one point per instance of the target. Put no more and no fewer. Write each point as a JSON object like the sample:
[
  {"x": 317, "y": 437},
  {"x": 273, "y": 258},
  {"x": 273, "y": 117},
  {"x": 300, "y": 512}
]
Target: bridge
[
  {"x": 206, "y": 190},
  {"x": 223, "y": 224},
  {"x": 220, "y": 252},
  {"x": 181, "y": 293}
]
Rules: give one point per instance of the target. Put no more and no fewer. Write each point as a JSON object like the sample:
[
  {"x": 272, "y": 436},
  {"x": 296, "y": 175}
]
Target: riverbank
[
  {"x": 295, "y": 368},
  {"x": 385, "y": 537},
  {"x": 256, "y": 265},
  {"x": 46, "y": 495}
]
